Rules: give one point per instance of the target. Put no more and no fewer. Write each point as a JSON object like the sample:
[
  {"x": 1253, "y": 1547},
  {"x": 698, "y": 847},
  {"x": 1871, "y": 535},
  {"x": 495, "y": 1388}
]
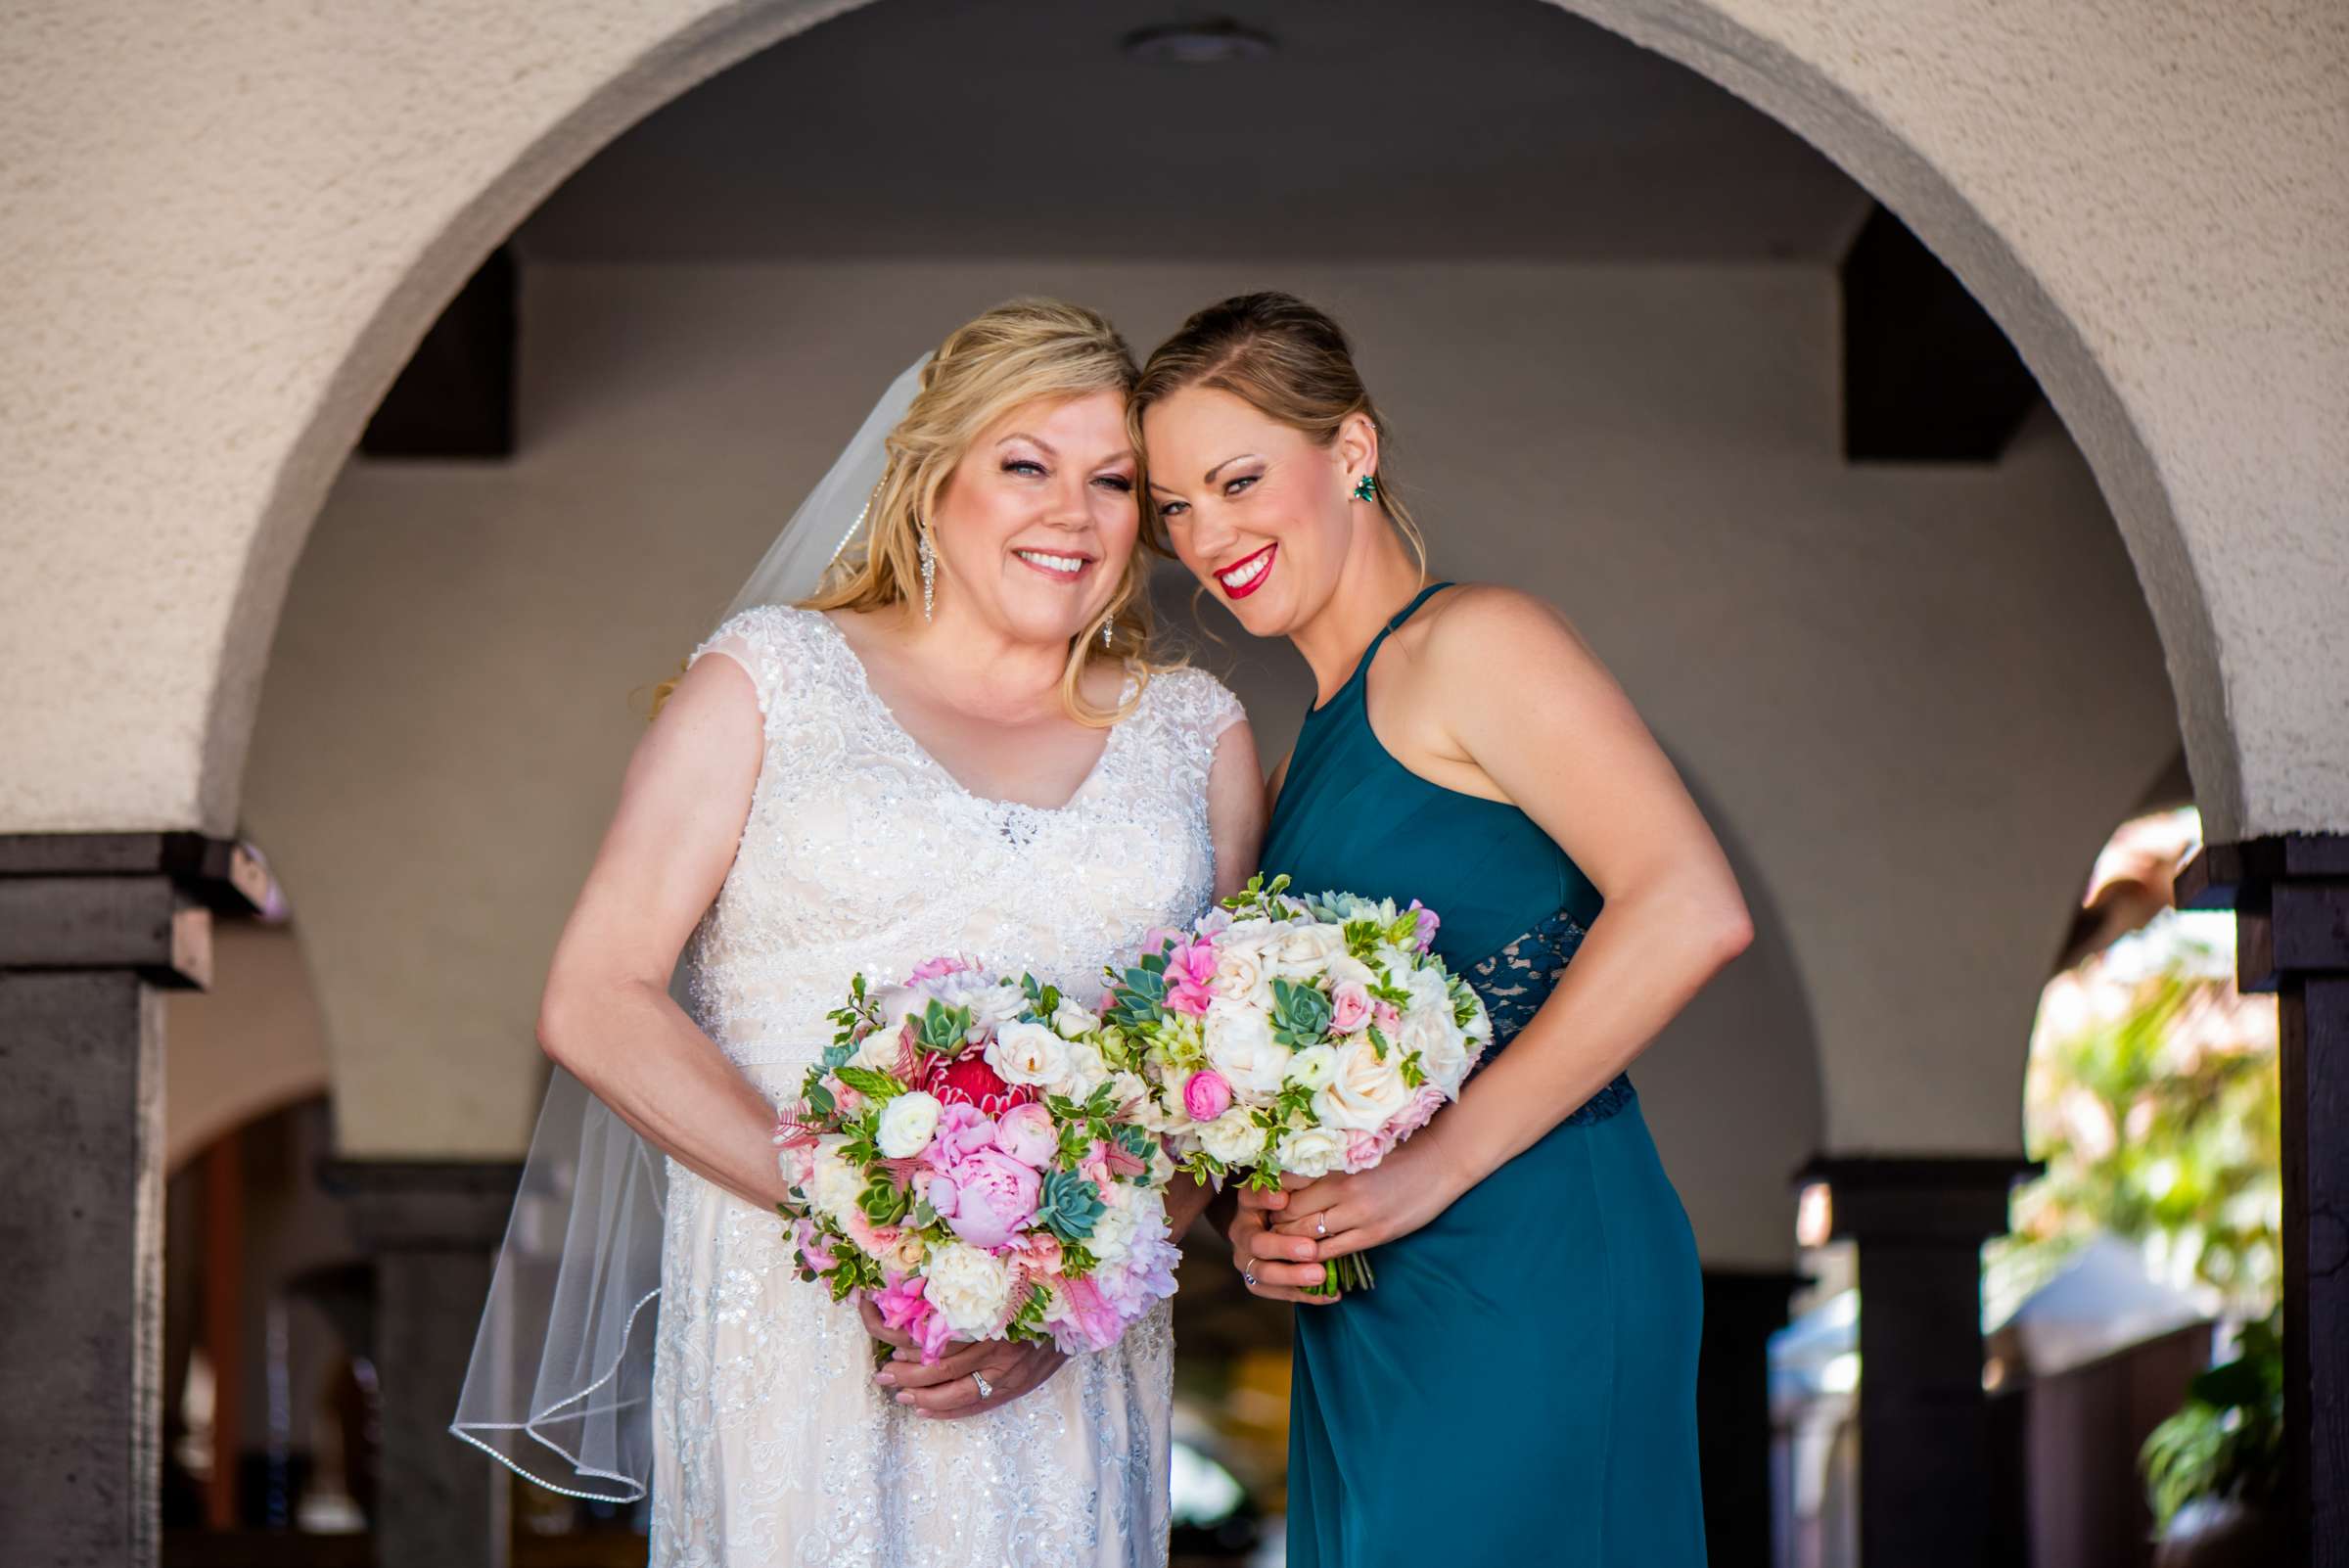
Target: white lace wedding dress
[{"x": 772, "y": 1445}]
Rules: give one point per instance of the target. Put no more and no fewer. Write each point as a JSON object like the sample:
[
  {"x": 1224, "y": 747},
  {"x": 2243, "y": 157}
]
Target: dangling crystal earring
[
  {"x": 929, "y": 574},
  {"x": 1106, "y": 622},
  {"x": 1365, "y": 488}
]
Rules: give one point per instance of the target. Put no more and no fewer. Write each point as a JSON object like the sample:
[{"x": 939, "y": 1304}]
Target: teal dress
[{"x": 1520, "y": 1387}]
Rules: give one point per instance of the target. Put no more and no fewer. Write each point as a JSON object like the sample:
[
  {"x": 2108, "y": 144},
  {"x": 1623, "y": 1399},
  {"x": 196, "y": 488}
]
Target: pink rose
[
  {"x": 1388, "y": 1020},
  {"x": 938, "y": 969},
  {"x": 1206, "y": 1095},
  {"x": 992, "y": 1200},
  {"x": 1348, "y": 1007},
  {"x": 871, "y": 1240},
  {"x": 1026, "y": 1133},
  {"x": 1428, "y": 925},
  {"x": 1040, "y": 1251},
  {"x": 1189, "y": 967}
]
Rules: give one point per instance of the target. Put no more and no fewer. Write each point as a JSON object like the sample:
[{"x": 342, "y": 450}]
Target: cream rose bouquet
[
  {"x": 966, "y": 1154},
  {"x": 1293, "y": 1036}
]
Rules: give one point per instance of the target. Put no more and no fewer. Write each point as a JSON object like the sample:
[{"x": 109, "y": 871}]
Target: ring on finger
[
  {"x": 1321, "y": 1227},
  {"x": 1248, "y": 1279},
  {"x": 987, "y": 1390}
]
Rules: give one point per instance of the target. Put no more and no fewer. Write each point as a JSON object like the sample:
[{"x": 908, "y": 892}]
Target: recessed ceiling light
[{"x": 1197, "y": 43}]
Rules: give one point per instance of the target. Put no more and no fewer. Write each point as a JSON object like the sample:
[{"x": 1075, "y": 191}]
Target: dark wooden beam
[
  {"x": 2291, "y": 898},
  {"x": 1928, "y": 376},
  {"x": 456, "y": 400}
]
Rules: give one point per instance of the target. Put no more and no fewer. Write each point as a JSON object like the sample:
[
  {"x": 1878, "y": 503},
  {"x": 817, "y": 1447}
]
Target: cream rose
[
  {"x": 1306, "y": 949},
  {"x": 1074, "y": 1020},
  {"x": 1028, "y": 1053},
  {"x": 1364, "y": 1092},
  {"x": 877, "y": 1051},
  {"x": 1232, "y": 1137},
  {"x": 906, "y": 1124},
  {"x": 970, "y": 1289},
  {"x": 1312, "y": 1151},
  {"x": 1241, "y": 1047}
]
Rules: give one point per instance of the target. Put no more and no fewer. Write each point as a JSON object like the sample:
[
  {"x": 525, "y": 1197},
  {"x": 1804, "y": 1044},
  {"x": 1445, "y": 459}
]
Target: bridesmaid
[{"x": 1521, "y": 1384}]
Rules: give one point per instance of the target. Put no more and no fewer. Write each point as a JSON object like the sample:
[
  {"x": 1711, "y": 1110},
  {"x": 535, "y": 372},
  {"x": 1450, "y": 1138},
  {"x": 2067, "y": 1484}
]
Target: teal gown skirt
[{"x": 1519, "y": 1387}]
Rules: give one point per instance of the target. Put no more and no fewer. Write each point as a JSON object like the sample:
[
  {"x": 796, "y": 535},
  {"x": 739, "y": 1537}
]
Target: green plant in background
[
  {"x": 2226, "y": 1443},
  {"x": 2154, "y": 1102}
]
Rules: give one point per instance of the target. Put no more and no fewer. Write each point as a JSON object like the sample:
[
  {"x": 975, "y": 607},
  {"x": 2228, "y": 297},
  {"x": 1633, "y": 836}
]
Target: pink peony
[
  {"x": 1206, "y": 1095},
  {"x": 962, "y": 1130},
  {"x": 1026, "y": 1135},
  {"x": 1348, "y": 1007},
  {"x": 1189, "y": 967},
  {"x": 992, "y": 1197}
]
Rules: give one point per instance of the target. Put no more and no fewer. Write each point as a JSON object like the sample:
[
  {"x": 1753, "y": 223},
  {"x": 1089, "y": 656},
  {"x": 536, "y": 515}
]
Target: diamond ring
[
  {"x": 1321, "y": 1227},
  {"x": 987, "y": 1390}
]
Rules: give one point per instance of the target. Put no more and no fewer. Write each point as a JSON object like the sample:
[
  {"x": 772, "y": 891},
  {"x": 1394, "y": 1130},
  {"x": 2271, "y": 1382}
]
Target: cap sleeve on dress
[{"x": 754, "y": 638}]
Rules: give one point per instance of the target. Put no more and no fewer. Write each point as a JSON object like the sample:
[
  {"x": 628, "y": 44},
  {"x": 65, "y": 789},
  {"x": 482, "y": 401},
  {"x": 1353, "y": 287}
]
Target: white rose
[
  {"x": 1443, "y": 1049},
  {"x": 1087, "y": 1070},
  {"x": 877, "y": 1051},
  {"x": 1367, "y": 1093},
  {"x": 970, "y": 1289},
  {"x": 1306, "y": 949},
  {"x": 1028, "y": 1053},
  {"x": 1241, "y": 1047},
  {"x": 1314, "y": 1067},
  {"x": 1243, "y": 962},
  {"x": 1345, "y": 966},
  {"x": 1312, "y": 1151},
  {"x": 906, "y": 1124},
  {"x": 833, "y": 1184},
  {"x": 1232, "y": 1137},
  {"x": 1480, "y": 1022},
  {"x": 1126, "y": 1088},
  {"x": 1074, "y": 1020},
  {"x": 992, "y": 1008}
]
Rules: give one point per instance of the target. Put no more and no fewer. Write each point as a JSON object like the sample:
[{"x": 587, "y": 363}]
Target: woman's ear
[{"x": 1357, "y": 445}]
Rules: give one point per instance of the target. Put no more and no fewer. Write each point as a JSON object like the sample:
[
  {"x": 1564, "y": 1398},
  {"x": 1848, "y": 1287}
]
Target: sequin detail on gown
[{"x": 772, "y": 1445}]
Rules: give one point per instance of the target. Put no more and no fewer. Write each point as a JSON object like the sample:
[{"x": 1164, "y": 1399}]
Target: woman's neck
[
  {"x": 1379, "y": 577},
  {"x": 969, "y": 664}
]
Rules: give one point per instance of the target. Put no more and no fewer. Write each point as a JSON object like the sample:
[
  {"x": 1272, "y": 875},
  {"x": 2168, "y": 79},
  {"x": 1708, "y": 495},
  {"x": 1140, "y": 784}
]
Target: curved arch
[{"x": 1808, "y": 84}]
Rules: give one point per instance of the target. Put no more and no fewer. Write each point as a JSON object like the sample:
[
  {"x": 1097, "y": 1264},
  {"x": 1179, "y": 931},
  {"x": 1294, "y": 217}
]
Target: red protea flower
[{"x": 967, "y": 1080}]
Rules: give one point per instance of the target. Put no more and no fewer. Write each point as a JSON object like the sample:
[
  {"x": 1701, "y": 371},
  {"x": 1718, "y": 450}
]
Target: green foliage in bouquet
[{"x": 2227, "y": 1441}]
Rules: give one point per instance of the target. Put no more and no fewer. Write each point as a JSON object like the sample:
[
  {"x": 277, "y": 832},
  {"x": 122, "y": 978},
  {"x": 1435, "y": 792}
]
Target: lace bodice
[{"x": 862, "y": 854}]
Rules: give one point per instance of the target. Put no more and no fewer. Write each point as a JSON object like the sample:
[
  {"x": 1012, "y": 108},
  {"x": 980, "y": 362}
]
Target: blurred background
[{"x": 1644, "y": 351}]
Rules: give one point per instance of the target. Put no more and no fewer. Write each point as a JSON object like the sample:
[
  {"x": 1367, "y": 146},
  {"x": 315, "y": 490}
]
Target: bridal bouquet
[
  {"x": 965, "y": 1153},
  {"x": 1293, "y": 1036}
]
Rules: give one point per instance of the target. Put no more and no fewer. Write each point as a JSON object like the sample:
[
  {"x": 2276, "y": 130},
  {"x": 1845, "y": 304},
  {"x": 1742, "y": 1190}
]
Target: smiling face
[
  {"x": 1037, "y": 523},
  {"x": 1257, "y": 509}
]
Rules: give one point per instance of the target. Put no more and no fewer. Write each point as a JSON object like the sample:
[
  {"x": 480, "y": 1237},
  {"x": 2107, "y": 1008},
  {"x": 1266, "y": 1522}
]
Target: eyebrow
[
  {"x": 1227, "y": 463},
  {"x": 1035, "y": 440}
]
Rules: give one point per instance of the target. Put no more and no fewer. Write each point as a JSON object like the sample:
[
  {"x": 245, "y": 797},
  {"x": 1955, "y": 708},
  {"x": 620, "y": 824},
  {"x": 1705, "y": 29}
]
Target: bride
[{"x": 956, "y": 744}]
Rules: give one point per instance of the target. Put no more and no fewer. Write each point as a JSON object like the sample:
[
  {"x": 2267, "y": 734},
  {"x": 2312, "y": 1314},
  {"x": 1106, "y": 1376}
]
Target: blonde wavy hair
[
  {"x": 1286, "y": 360},
  {"x": 1019, "y": 352}
]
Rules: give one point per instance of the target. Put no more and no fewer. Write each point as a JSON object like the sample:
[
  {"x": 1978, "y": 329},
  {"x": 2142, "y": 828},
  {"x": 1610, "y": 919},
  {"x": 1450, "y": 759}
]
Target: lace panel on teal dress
[{"x": 1516, "y": 980}]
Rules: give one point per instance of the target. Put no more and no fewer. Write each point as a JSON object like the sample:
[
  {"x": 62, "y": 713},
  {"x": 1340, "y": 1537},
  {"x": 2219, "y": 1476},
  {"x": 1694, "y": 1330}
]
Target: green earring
[{"x": 1365, "y": 488}]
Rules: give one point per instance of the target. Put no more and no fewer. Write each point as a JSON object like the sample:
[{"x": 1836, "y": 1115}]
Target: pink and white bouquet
[
  {"x": 1294, "y": 1036},
  {"x": 966, "y": 1153}
]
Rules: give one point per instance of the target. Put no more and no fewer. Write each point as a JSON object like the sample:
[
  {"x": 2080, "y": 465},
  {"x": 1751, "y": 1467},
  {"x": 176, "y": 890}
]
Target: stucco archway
[{"x": 397, "y": 160}]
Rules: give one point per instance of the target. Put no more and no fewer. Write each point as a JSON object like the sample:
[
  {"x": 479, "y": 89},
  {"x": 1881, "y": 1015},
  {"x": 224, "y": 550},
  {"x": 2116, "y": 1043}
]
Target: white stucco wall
[
  {"x": 1914, "y": 699},
  {"x": 208, "y": 289}
]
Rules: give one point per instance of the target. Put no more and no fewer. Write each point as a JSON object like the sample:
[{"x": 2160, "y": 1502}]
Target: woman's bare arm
[{"x": 606, "y": 1014}]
